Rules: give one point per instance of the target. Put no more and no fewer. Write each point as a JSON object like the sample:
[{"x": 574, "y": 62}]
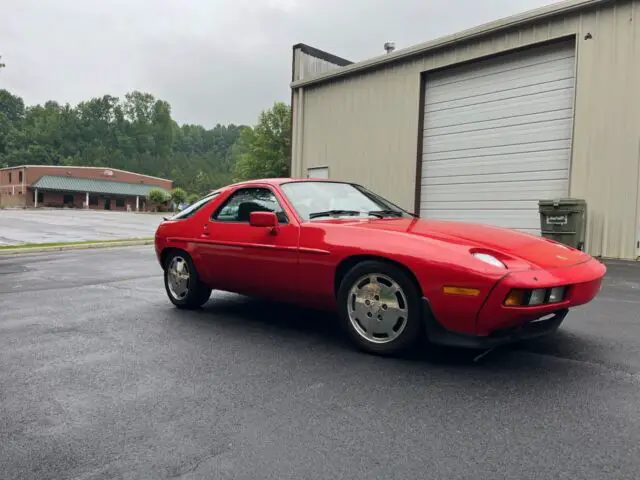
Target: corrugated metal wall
[
  {"x": 365, "y": 127},
  {"x": 307, "y": 65}
]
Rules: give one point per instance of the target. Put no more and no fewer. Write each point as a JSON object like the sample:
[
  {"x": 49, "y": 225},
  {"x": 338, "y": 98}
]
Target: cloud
[{"x": 215, "y": 61}]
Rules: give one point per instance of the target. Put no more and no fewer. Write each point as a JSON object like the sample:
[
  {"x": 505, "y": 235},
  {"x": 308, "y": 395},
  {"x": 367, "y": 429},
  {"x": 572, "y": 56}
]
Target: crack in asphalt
[{"x": 189, "y": 467}]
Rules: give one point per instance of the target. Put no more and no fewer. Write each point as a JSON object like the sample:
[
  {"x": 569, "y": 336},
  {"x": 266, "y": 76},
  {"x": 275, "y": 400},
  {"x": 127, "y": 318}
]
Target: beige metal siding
[
  {"x": 306, "y": 65},
  {"x": 365, "y": 127},
  {"x": 606, "y": 149},
  {"x": 367, "y": 155}
]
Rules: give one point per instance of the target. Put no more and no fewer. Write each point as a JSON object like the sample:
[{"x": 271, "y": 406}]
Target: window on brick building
[
  {"x": 10, "y": 177},
  {"x": 19, "y": 177},
  {"x": 120, "y": 202}
]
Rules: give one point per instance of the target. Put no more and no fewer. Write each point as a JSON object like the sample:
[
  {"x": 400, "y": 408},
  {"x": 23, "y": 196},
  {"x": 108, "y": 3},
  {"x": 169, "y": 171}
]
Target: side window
[
  {"x": 240, "y": 205},
  {"x": 194, "y": 207}
]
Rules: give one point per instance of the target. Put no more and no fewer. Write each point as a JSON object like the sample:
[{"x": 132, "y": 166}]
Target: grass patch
[{"x": 65, "y": 244}]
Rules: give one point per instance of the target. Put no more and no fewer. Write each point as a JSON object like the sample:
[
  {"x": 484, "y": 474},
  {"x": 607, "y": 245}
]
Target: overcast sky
[{"x": 215, "y": 61}]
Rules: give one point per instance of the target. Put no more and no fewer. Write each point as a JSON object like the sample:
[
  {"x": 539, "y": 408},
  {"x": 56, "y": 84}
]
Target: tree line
[{"x": 137, "y": 133}]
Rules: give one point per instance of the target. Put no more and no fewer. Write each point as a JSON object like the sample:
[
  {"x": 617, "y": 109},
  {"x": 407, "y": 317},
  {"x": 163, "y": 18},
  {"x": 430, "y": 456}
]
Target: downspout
[
  {"x": 300, "y": 130},
  {"x": 291, "y": 137}
]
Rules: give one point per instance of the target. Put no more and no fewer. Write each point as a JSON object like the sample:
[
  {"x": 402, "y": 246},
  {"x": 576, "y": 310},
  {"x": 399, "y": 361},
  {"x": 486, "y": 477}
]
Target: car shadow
[
  {"x": 275, "y": 317},
  {"x": 570, "y": 346},
  {"x": 291, "y": 322}
]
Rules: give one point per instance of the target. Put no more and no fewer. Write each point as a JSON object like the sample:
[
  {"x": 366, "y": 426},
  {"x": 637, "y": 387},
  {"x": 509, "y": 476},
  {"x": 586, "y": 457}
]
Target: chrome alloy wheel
[
  {"x": 378, "y": 308},
  {"x": 178, "y": 278}
]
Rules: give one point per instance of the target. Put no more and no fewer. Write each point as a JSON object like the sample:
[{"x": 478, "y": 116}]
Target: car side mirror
[{"x": 263, "y": 219}]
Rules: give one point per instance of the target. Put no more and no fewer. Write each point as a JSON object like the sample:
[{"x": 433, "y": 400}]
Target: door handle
[{"x": 205, "y": 231}]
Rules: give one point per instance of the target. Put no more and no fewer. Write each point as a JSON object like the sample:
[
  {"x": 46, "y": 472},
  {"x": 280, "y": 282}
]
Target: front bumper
[
  {"x": 498, "y": 324},
  {"x": 547, "y": 323}
]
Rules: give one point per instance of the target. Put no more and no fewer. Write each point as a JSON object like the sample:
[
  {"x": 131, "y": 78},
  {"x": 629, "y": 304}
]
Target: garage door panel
[
  {"x": 497, "y": 65},
  {"x": 500, "y": 218},
  {"x": 482, "y": 179},
  {"x": 522, "y": 205},
  {"x": 497, "y": 138},
  {"x": 512, "y": 107},
  {"x": 539, "y": 91},
  {"x": 494, "y": 164},
  {"x": 537, "y": 75},
  {"x": 500, "y": 137},
  {"x": 534, "y": 147},
  {"x": 505, "y": 122},
  {"x": 503, "y": 196},
  {"x": 503, "y": 191}
]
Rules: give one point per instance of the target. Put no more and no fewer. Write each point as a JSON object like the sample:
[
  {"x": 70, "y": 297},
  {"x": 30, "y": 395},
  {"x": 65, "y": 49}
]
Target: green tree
[
  {"x": 12, "y": 113},
  {"x": 178, "y": 195},
  {"x": 193, "y": 198},
  {"x": 158, "y": 196},
  {"x": 138, "y": 133},
  {"x": 265, "y": 150}
]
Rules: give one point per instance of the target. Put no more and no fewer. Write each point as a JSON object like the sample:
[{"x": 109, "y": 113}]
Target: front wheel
[
  {"x": 380, "y": 308},
  {"x": 182, "y": 283}
]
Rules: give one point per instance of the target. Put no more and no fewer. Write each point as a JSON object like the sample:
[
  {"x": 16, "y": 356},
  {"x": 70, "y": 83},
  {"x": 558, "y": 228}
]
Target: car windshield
[{"x": 334, "y": 199}]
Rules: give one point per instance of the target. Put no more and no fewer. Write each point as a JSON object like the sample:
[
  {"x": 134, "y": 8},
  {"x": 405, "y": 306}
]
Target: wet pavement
[
  {"x": 102, "y": 378},
  {"x": 68, "y": 225}
]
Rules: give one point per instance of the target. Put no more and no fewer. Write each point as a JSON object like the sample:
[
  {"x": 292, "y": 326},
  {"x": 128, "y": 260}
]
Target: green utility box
[{"x": 564, "y": 220}]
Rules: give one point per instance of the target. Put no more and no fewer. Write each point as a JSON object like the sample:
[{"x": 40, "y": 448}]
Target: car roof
[
  {"x": 280, "y": 181},
  {"x": 273, "y": 182}
]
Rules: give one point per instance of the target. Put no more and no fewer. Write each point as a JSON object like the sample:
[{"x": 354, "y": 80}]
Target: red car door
[{"x": 242, "y": 258}]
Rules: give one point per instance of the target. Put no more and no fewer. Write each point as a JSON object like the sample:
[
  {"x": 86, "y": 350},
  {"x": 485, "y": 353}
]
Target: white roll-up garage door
[{"x": 497, "y": 138}]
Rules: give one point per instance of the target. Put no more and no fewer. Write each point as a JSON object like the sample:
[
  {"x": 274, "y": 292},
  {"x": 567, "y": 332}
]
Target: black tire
[
  {"x": 197, "y": 294},
  {"x": 410, "y": 335}
]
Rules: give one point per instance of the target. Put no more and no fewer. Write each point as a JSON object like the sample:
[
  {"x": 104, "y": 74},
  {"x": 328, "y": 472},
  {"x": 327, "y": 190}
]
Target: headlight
[{"x": 490, "y": 259}]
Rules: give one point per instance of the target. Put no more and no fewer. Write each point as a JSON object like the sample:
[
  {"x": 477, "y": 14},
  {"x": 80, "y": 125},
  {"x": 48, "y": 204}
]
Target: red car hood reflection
[{"x": 536, "y": 251}]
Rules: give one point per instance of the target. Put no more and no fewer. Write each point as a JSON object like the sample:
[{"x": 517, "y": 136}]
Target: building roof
[
  {"x": 555, "y": 9},
  {"x": 107, "y": 187},
  {"x": 62, "y": 167},
  {"x": 321, "y": 54}
]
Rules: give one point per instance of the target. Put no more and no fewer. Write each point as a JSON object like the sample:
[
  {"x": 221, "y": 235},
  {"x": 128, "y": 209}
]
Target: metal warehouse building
[{"x": 480, "y": 125}]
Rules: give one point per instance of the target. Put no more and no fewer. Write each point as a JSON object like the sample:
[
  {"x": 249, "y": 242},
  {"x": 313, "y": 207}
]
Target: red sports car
[{"x": 392, "y": 277}]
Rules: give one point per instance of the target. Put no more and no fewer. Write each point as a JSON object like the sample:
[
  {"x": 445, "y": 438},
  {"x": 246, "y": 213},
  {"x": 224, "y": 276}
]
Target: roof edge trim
[
  {"x": 322, "y": 55},
  {"x": 86, "y": 167},
  {"x": 495, "y": 26}
]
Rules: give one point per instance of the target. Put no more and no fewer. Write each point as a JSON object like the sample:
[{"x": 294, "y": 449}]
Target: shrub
[
  {"x": 158, "y": 196},
  {"x": 178, "y": 195}
]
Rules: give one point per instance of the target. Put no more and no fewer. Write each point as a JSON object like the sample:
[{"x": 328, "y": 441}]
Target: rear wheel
[
  {"x": 182, "y": 282},
  {"x": 380, "y": 308}
]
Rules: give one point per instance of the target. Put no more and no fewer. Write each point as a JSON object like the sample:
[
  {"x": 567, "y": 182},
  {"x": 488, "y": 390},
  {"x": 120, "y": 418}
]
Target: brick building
[{"x": 77, "y": 187}]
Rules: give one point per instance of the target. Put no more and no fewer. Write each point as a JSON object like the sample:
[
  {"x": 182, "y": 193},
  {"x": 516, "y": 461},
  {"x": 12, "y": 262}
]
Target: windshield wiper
[
  {"x": 332, "y": 213},
  {"x": 385, "y": 213}
]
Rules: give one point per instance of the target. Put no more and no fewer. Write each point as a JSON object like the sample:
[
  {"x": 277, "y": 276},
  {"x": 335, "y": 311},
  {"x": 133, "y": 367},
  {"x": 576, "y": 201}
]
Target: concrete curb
[{"x": 83, "y": 246}]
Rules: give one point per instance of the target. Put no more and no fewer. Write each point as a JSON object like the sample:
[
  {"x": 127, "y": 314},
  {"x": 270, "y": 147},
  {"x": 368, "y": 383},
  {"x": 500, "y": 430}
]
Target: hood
[{"x": 536, "y": 251}]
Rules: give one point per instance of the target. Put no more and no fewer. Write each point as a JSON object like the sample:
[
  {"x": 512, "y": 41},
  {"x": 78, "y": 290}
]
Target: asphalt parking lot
[
  {"x": 102, "y": 378},
  {"x": 73, "y": 225}
]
